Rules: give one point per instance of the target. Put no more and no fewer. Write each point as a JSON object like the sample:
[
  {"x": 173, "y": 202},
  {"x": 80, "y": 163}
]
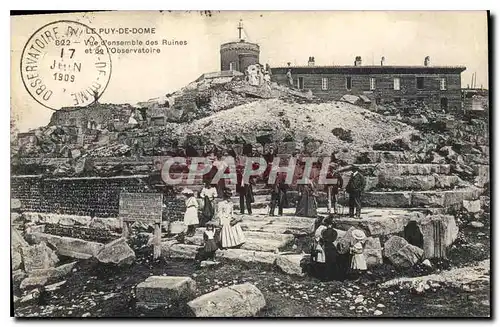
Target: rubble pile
[{"x": 334, "y": 125}]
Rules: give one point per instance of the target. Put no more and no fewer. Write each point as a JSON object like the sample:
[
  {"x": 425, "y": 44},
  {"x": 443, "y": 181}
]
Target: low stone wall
[{"x": 85, "y": 196}]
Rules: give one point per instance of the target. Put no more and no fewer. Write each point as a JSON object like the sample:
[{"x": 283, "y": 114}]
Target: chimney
[
  {"x": 427, "y": 61},
  {"x": 382, "y": 61},
  {"x": 357, "y": 61},
  {"x": 310, "y": 62}
]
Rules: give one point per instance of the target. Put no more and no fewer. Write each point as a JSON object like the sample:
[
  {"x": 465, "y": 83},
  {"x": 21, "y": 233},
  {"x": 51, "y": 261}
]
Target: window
[
  {"x": 372, "y": 83},
  {"x": 300, "y": 83},
  {"x": 397, "y": 83},
  {"x": 348, "y": 83},
  {"x": 397, "y": 100},
  {"x": 420, "y": 83},
  {"x": 443, "y": 84},
  {"x": 324, "y": 83},
  {"x": 232, "y": 66}
]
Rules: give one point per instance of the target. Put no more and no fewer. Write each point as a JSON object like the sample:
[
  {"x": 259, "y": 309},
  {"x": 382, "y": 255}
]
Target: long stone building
[{"x": 438, "y": 86}]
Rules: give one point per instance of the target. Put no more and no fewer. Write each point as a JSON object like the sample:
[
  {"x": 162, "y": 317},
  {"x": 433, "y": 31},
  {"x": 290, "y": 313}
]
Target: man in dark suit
[
  {"x": 355, "y": 188},
  {"x": 278, "y": 195},
  {"x": 245, "y": 191}
]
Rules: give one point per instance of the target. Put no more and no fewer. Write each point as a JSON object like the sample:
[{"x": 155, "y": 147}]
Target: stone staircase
[{"x": 398, "y": 190}]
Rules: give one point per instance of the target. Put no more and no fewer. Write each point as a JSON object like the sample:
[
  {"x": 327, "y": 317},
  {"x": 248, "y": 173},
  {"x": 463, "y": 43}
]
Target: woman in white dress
[
  {"x": 191, "y": 214},
  {"x": 231, "y": 234}
]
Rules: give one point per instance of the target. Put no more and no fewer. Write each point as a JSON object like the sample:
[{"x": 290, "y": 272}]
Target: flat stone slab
[
  {"x": 161, "y": 290},
  {"x": 247, "y": 255},
  {"x": 57, "y": 219},
  {"x": 68, "y": 246},
  {"x": 444, "y": 198},
  {"x": 244, "y": 300},
  {"x": 378, "y": 222},
  {"x": 291, "y": 264},
  {"x": 408, "y": 199},
  {"x": 398, "y": 199},
  {"x": 180, "y": 251},
  {"x": 403, "y": 169},
  {"x": 258, "y": 241}
]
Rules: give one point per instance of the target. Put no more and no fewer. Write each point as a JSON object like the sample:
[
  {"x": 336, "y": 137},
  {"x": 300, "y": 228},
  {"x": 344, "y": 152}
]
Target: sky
[{"x": 450, "y": 38}]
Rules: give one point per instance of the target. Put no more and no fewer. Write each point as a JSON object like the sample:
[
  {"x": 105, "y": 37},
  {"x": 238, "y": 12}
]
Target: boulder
[
  {"x": 373, "y": 251},
  {"x": 472, "y": 206},
  {"x": 117, "y": 252},
  {"x": 15, "y": 204},
  {"x": 290, "y": 264},
  {"x": 401, "y": 253},
  {"x": 244, "y": 300},
  {"x": 158, "y": 291},
  {"x": 38, "y": 256}
]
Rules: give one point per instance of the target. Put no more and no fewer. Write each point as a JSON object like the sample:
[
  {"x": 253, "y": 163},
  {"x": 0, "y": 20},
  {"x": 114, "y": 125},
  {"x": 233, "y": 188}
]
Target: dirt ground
[{"x": 95, "y": 290}]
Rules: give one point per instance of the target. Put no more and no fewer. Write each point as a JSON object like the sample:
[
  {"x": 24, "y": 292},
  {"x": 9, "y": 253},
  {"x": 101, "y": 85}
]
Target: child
[
  {"x": 191, "y": 214},
  {"x": 358, "y": 261},
  {"x": 210, "y": 246}
]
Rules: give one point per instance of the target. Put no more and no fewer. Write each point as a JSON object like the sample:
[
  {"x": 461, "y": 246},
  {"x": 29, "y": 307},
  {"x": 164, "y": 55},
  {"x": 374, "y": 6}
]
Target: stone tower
[{"x": 238, "y": 55}]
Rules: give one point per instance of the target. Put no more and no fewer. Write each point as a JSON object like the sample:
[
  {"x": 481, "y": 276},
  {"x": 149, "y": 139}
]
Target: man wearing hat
[{"x": 355, "y": 188}]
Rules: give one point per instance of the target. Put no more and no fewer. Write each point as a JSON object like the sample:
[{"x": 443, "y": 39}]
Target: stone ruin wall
[{"x": 97, "y": 197}]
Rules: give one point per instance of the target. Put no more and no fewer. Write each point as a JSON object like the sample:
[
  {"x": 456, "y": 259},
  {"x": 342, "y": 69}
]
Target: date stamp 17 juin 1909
[{"x": 65, "y": 64}]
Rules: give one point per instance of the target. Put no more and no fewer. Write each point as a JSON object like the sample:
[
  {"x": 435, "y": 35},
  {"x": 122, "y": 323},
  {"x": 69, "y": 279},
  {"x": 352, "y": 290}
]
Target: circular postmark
[{"x": 65, "y": 64}]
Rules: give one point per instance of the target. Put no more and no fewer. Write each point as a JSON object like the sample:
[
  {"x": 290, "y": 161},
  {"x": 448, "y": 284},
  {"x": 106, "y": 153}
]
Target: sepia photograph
[{"x": 250, "y": 164}]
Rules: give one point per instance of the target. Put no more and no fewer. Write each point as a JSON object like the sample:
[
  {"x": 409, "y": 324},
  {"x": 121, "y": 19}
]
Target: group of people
[
  {"x": 223, "y": 229},
  {"x": 258, "y": 75},
  {"x": 307, "y": 201},
  {"x": 337, "y": 259}
]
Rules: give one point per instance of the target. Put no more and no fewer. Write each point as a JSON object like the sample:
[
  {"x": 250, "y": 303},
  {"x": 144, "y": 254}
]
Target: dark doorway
[
  {"x": 444, "y": 104},
  {"x": 413, "y": 234},
  {"x": 348, "y": 83},
  {"x": 300, "y": 83}
]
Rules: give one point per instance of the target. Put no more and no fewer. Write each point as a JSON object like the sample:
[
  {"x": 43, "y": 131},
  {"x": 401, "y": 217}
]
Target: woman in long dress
[
  {"x": 191, "y": 214},
  {"x": 307, "y": 206},
  {"x": 208, "y": 195},
  {"x": 231, "y": 234},
  {"x": 329, "y": 236}
]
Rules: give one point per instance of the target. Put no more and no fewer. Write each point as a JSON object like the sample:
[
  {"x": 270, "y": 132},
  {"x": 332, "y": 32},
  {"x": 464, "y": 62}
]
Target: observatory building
[{"x": 238, "y": 55}]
